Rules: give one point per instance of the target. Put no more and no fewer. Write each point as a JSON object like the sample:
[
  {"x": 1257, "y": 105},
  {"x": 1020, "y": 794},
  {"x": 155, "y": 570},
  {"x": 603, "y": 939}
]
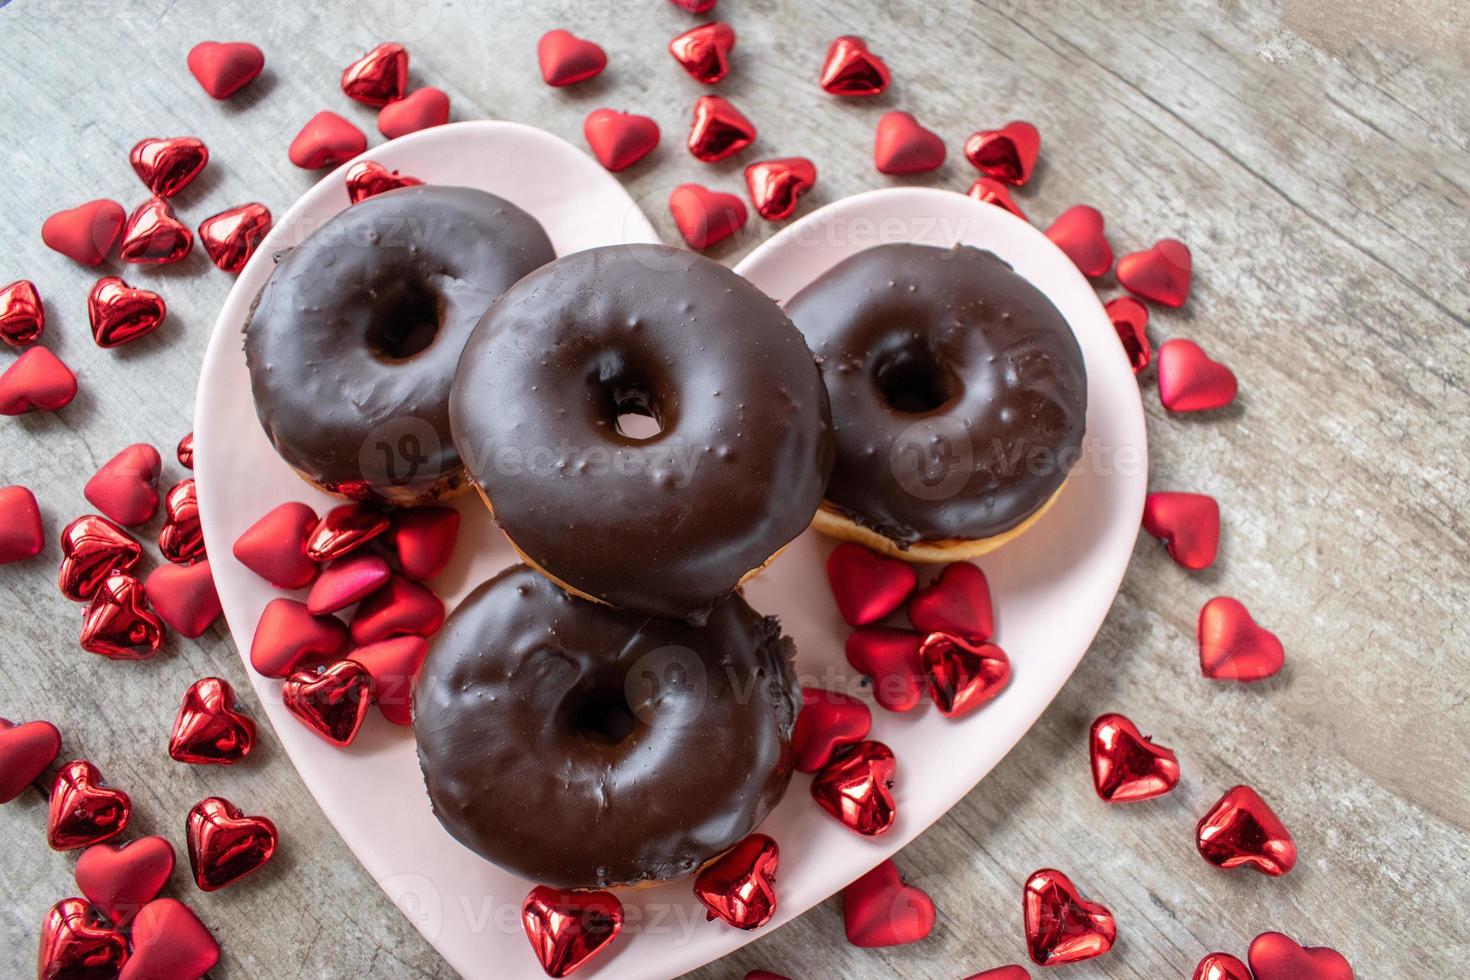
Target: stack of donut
[{"x": 649, "y": 430}]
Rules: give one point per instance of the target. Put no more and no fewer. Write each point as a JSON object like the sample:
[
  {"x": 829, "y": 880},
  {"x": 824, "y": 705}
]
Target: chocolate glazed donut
[
  {"x": 353, "y": 342},
  {"x": 668, "y": 524},
  {"x": 582, "y": 746},
  {"x": 958, "y": 392}
]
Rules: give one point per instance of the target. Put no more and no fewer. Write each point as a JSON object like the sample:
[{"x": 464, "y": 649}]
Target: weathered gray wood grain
[{"x": 1313, "y": 154}]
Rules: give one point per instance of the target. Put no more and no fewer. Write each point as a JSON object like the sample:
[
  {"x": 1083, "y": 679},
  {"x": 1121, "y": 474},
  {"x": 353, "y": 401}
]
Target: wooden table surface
[{"x": 1313, "y": 155}]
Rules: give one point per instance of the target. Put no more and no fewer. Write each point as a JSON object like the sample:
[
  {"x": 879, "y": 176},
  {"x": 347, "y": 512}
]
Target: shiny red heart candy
[
  {"x": 82, "y": 811},
  {"x": 378, "y": 77},
  {"x": 1189, "y": 381},
  {"x": 568, "y": 928},
  {"x": 274, "y": 547},
  {"x": 208, "y": 729},
  {"x": 347, "y": 580},
  {"x": 852, "y": 70},
  {"x": 22, "y": 314},
  {"x": 619, "y": 139},
  {"x": 422, "y": 539},
  {"x": 1241, "y": 830},
  {"x": 566, "y": 59},
  {"x": 401, "y": 607},
  {"x": 184, "y": 597},
  {"x": 423, "y": 109},
  {"x": 76, "y": 946},
  {"x": 890, "y": 658},
  {"x": 288, "y": 637},
  {"x": 345, "y": 528},
  {"x": 181, "y": 539},
  {"x": 740, "y": 885},
  {"x": 92, "y": 548},
  {"x": 1160, "y": 274},
  {"x": 231, "y": 237},
  {"x": 1007, "y": 154},
  {"x": 1126, "y": 765},
  {"x": 120, "y": 314},
  {"x": 25, "y": 752},
  {"x": 988, "y": 190},
  {"x": 1187, "y": 523},
  {"x": 393, "y": 664},
  {"x": 962, "y": 676},
  {"x": 1232, "y": 647},
  {"x": 332, "y": 702},
  {"x": 867, "y": 586},
  {"x": 325, "y": 141},
  {"x": 170, "y": 943},
  {"x": 1274, "y": 956},
  {"x": 125, "y": 489},
  {"x": 1130, "y": 322},
  {"x": 1061, "y": 926},
  {"x": 225, "y": 845},
  {"x": 22, "y": 535},
  {"x": 705, "y": 217},
  {"x": 85, "y": 233},
  {"x": 153, "y": 236},
  {"x": 774, "y": 185},
  {"x": 857, "y": 788},
  {"x": 166, "y": 166},
  {"x": 704, "y": 51},
  {"x": 36, "y": 380},
  {"x": 121, "y": 880},
  {"x": 224, "y": 69},
  {"x": 880, "y": 910},
  {"x": 1078, "y": 231},
  {"x": 366, "y": 179},
  {"x": 901, "y": 146},
  {"x": 719, "y": 129},
  {"x": 828, "y": 722},
  {"x": 1221, "y": 966},
  {"x": 957, "y": 602},
  {"x": 118, "y": 623},
  {"x": 185, "y": 451}
]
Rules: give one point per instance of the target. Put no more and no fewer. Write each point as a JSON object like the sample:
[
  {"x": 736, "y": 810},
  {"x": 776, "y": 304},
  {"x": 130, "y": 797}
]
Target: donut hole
[
  {"x": 635, "y": 416},
  {"x": 604, "y": 716},
  {"x": 913, "y": 380},
  {"x": 405, "y": 320}
]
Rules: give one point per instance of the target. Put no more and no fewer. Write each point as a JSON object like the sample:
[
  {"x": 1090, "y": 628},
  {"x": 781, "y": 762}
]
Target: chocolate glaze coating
[
  {"x": 344, "y": 385},
  {"x": 667, "y": 524},
  {"x": 958, "y": 391},
  {"x": 582, "y": 746}
]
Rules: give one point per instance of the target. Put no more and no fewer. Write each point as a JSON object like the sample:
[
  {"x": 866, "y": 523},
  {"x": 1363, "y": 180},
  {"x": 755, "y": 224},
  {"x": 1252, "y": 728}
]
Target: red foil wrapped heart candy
[
  {"x": 774, "y": 185},
  {"x": 325, "y": 141},
  {"x": 704, "y": 51},
  {"x": 22, "y": 314},
  {"x": 1242, "y": 831},
  {"x": 719, "y": 129},
  {"x": 365, "y": 179},
  {"x": 880, "y": 910},
  {"x": 83, "y": 811},
  {"x": 867, "y": 585},
  {"x": 1061, "y": 926},
  {"x": 346, "y": 581},
  {"x": 225, "y": 845},
  {"x": 232, "y": 236},
  {"x": 118, "y": 623},
  {"x": 566, "y": 59},
  {"x": 1160, "y": 274},
  {"x": 422, "y": 539},
  {"x": 705, "y": 217},
  {"x": 126, "y": 487},
  {"x": 181, "y": 539},
  {"x": 1275, "y": 956},
  {"x": 36, "y": 380},
  {"x": 1126, "y": 765},
  {"x": 166, "y": 166},
  {"x": 961, "y": 676},
  {"x": 92, "y": 548},
  {"x": 1190, "y": 381},
  {"x": 1078, "y": 231},
  {"x": 568, "y": 928},
  {"x": 345, "y": 528},
  {"x": 1221, "y": 966},
  {"x": 153, "y": 235},
  {"x": 170, "y": 943},
  {"x": 425, "y": 108},
  {"x": 619, "y": 139},
  {"x": 1007, "y": 154},
  {"x": 901, "y": 146},
  {"x": 209, "y": 730},
  {"x": 828, "y": 722},
  {"x": 185, "y": 451},
  {"x": 402, "y": 607},
  {"x": 121, "y": 880},
  {"x": 274, "y": 547},
  {"x": 393, "y": 665},
  {"x": 85, "y": 233},
  {"x": 25, "y": 752},
  {"x": 224, "y": 69},
  {"x": 22, "y": 535},
  {"x": 332, "y": 702},
  {"x": 852, "y": 70},
  {"x": 957, "y": 602},
  {"x": 1130, "y": 323},
  {"x": 740, "y": 885},
  {"x": 1187, "y": 523},
  {"x": 120, "y": 314},
  {"x": 856, "y": 788},
  {"x": 378, "y": 77},
  {"x": 75, "y": 945},
  {"x": 988, "y": 190},
  {"x": 288, "y": 637},
  {"x": 890, "y": 659},
  {"x": 1232, "y": 647}
]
